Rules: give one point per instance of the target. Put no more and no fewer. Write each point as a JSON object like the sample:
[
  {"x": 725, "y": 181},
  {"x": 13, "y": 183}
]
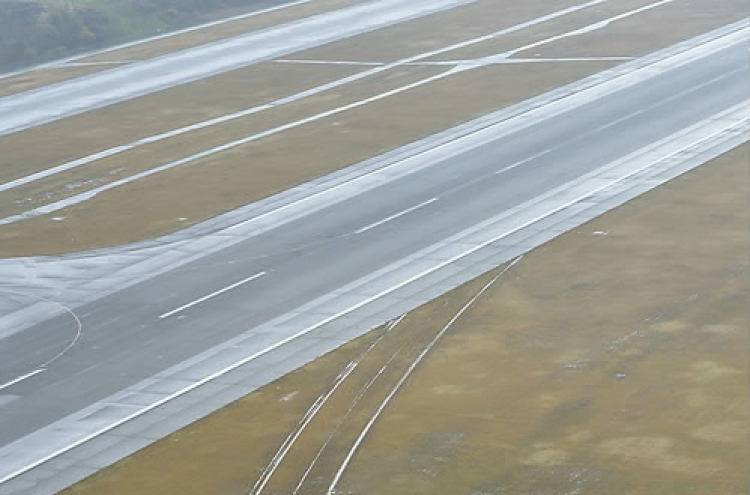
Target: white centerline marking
[
  {"x": 351, "y": 309},
  {"x": 213, "y": 294},
  {"x": 526, "y": 160},
  {"x": 393, "y": 217},
  {"x": 20, "y": 379}
]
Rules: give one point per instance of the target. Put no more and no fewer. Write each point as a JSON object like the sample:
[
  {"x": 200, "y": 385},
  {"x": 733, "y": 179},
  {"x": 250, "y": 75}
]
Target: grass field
[
  {"x": 613, "y": 359},
  {"x": 203, "y": 188}
]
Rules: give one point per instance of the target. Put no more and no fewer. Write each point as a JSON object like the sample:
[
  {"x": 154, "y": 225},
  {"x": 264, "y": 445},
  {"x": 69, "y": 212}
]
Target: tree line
[{"x": 32, "y": 31}]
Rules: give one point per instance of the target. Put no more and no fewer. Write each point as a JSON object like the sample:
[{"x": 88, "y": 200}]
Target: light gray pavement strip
[
  {"x": 67, "y": 98},
  {"x": 124, "y": 339},
  {"x": 264, "y": 7},
  {"x": 408, "y": 283},
  {"x": 81, "y": 161},
  {"x": 72, "y": 280}
]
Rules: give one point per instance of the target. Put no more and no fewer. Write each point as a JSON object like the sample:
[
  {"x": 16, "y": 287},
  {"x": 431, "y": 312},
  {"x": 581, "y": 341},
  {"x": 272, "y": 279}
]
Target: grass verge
[{"x": 613, "y": 359}]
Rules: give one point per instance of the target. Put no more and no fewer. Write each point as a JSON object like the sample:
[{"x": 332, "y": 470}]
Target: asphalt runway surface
[
  {"x": 62, "y": 365},
  {"x": 133, "y": 334}
]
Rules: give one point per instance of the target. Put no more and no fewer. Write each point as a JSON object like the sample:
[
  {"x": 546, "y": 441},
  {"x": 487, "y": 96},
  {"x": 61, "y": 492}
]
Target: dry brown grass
[
  {"x": 153, "y": 155},
  {"x": 545, "y": 30},
  {"x": 43, "y": 77},
  {"x": 432, "y": 32},
  {"x": 191, "y": 193},
  {"x": 646, "y": 32},
  {"x": 222, "y": 31},
  {"x": 611, "y": 360},
  {"x": 162, "y": 203},
  {"x": 44, "y": 146}
]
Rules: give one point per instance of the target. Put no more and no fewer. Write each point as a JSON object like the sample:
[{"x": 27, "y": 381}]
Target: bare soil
[{"x": 613, "y": 359}]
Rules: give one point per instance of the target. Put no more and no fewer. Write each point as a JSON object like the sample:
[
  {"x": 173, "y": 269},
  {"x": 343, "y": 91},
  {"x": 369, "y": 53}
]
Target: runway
[
  {"x": 132, "y": 335},
  {"x": 18, "y": 112}
]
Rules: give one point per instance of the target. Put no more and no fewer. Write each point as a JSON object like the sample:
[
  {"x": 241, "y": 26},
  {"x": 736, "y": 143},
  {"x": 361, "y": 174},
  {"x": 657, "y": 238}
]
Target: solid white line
[
  {"x": 407, "y": 373},
  {"x": 587, "y": 29},
  {"x": 286, "y": 100},
  {"x": 393, "y": 217},
  {"x": 88, "y": 195},
  {"x": 213, "y": 294},
  {"x": 351, "y": 309},
  {"x": 20, "y": 379},
  {"x": 68, "y": 60}
]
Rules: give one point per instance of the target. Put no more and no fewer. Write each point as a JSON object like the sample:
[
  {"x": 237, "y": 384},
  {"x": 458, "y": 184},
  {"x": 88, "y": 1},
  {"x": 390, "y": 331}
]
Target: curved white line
[
  {"x": 310, "y": 414},
  {"x": 407, "y": 373},
  {"x": 361, "y": 393},
  {"x": 79, "y": 324},
  {"x": 354, "y": 307}
]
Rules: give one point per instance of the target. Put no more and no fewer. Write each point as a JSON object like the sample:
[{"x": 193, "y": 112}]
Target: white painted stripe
[
  {"x": 622, "y": 119},
  {"x": 395, "y": 216},
  {"x": 407, "y": 374},
  {"x": 284, "y": 101},
  {"x": 88, "y": 195},
  {"x": 527, "y": 160},
  {"x": 62, "y": 62},
  {"x": 211, "y": 295},
  {"x": 369, "y": 300},
  {"x": 20, "y": 379}
]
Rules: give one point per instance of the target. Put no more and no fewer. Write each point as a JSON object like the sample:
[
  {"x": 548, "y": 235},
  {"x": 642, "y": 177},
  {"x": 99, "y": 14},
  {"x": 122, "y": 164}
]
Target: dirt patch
[
  {"x": 589, "y": 367},
  {"x": 244, "y": 174}
]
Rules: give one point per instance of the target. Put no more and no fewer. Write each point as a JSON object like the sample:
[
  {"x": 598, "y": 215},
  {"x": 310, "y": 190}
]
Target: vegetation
[{"x": 32, "y": 31}]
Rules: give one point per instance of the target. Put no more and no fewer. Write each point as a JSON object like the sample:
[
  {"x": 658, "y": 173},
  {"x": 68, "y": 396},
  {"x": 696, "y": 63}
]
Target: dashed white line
[
  {"x": 20, "y": 379},
  {"x": 526, "y": 160},
  {"x": 354, "y": 307},
  {"x": 620, "y": 120},
  {"x": 395, "y": 216},
  {"x": 211, "y": 295}
]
